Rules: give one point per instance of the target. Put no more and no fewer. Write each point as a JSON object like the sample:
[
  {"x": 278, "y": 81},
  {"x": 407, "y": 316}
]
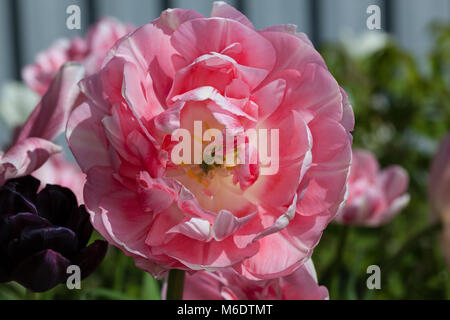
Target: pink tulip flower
[
  {"x": 182, "y": 69},
  {"x": 374, "y": 197}
]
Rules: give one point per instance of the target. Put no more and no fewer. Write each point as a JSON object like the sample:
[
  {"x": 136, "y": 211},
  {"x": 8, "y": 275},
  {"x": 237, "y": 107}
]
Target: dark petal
[
  {"x": 3, "y": 243},
  {"x": 58, "y": 239},
  {"x": 18, "y": 195},
  {"x": 27, "y": 186},
  {"x": 90, "y": 258},
  {"x": 4, "y": 274},
  {"x": 12, "y": 226},
  {"x": 42, "y": 271},
  {"x": 4, "y": 233},
  {"x": 82, "y": 227},
  {"x": 57, "y": 204}
]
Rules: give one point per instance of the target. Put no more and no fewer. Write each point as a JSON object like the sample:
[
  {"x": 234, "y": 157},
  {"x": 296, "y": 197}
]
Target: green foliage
[{"x": 402, "y": 110}]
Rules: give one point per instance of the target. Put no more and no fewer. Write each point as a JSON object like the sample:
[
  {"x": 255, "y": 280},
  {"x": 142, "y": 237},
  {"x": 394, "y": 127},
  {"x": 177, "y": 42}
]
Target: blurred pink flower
[
  {"x": 90, "y": 51},
  {"x": 374, "y": 196},
  {"x": 32, "y": 146},
  {"x": 439, "y": 181},
  {"x": 228, "y": 285},
  {"x": 439, "y": 192},
  {"x": 183, "y": 67},
  {"x": 57, "y": 170},
  {"x": 25, "y": 157}
]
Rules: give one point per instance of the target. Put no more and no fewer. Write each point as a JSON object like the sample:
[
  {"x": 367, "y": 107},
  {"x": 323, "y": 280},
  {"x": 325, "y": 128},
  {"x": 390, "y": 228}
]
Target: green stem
[
  {"x": 336, "y": 263},
  {"x": 341, "y": 247},
  {"x": 119, "y": 272},
  {"x": 175, "y": 285}
]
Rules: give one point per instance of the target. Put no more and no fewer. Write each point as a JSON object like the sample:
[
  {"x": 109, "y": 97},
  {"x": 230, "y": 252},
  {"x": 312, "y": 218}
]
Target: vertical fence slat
[
  {"x": 137, "y": 12},
  {"x": 6, "y": 57},
  {"x": 6, "y": 37},
  {"x": 202, "y": 6},
  {"x": 412, "y": 18},
  {"x": 265, "y": 13},
  {"x": 338, "y": 18},
  {"x": 43, "y": 22}
]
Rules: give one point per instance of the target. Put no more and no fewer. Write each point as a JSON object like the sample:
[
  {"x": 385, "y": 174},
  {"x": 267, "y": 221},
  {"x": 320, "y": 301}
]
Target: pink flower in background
[
  {"x": 25, "y": 157},
  {"x": 32, "y": 146},
  {"x": 439, "y": 181},
  {"x": 90, "y": 51},
  {"x": 439, "y": 191},
  {"x": 57, "y": 170},
  {"x": 374, "y": 196},
  {"x": 228, "y": 285},
  {"x": 181, "y": 68}
]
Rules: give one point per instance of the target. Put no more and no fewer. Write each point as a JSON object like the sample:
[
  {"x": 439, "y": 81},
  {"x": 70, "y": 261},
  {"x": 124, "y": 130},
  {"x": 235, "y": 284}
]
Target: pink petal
[
  {"x": 223, "y": 10},
  {"x": 25, "y": 157},
  {"x": 50, "y": 116},
  {"x": 58, "y": 170},
  {"x": 202, "y": 36},
  {"x": 227, "y": 224},
  {"x": 295, "y": 158},
  {"x": 195, "y": 228},
  {"x": 302, "y": 285},
  {"x": 291, "y": 53},
  {"x": 208, "y": 255},
  {"x": 348, "y": 117},
  {"x": 331, "y": 158},
  {"x": 281, "y": 222},
  {"x": 364, "y": 164},
  {"x": 394, "y": 182},
  {"x": 155, "y": 194},
  {"x": 276, "y": 257},
  {"x": 396, "y": 206},
  {"x": 86, "y": 139},
  {"x": 201, "y": 286},
  {"x": 155, "y": 55},
  {"x": 313, "y": 92},
  {"x": 139, "y": 93},
  {"x": 269, "y": 98},
  {"x": 171, "y": 19},
  {"x": 290, "y": 29},
  {"x": 116, "y": 212},
  {"x": 439, "y": 180}
]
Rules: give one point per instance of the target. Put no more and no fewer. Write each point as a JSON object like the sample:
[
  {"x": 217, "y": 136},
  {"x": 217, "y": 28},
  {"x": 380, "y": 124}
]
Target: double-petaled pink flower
[
  {"x": 89, "y": 51},
  {"x": 439, "y": 191},
  {"x": 228, "y": 285},
  {"x": 374, "y": 196},
  {"x": 181, "y": 68}
]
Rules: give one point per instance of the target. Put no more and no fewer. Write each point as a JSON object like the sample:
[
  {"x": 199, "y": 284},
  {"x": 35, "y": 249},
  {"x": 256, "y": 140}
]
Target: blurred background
[{"x": 398, "y": 80}]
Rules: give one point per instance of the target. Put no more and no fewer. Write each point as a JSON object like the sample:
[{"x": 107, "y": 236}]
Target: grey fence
[{"x": 29, "y": 26}]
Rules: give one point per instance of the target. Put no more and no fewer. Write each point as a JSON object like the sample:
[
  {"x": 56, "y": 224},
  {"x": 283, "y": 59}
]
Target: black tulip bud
[{"x": 42, "y": 234}]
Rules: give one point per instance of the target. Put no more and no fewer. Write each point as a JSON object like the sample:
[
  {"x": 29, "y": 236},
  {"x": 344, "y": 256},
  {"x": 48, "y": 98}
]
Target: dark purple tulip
[{"x": 41, "y": 234}]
